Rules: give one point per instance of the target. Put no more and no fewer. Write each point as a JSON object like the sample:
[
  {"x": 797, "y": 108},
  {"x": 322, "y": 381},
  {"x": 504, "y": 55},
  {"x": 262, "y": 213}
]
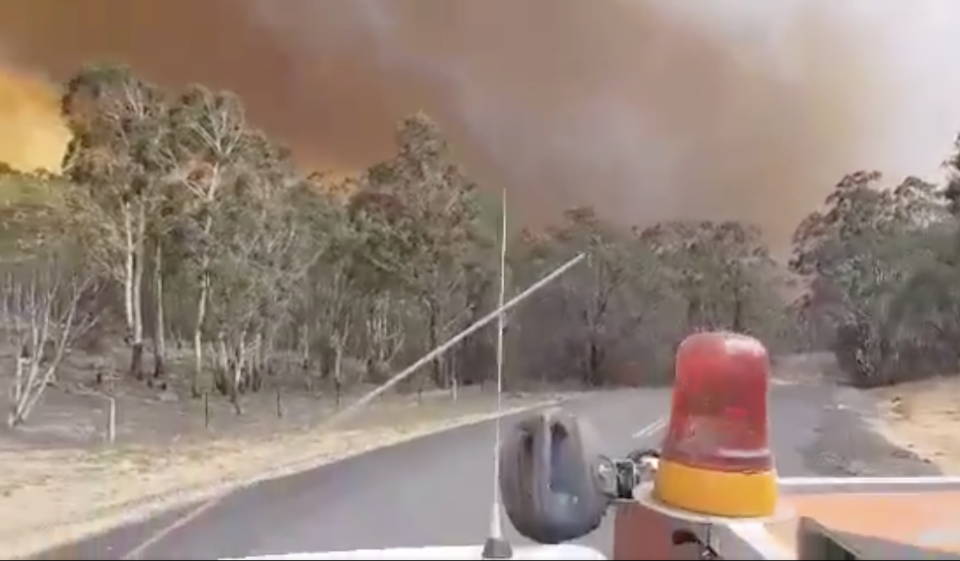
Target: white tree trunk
[
  {"x": 33, "y": 373},
  {"x": 198, "y": 333}
]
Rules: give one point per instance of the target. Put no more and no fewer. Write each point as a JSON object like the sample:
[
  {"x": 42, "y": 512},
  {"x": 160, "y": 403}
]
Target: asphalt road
[{"x": 432, "y": 491}]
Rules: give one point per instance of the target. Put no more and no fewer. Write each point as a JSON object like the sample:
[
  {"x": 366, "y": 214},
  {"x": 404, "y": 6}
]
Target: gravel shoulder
[
  {"x": 899, "y": 431},
  {"x": 856, "y": 438},
  {"x": 923, "y": 418}
]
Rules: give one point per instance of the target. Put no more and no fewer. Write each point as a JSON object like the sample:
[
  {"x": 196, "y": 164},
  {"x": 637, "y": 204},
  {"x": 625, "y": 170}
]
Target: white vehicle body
[
  {"x": 756, "y": 540},
  {"x": 446, "y": 553}
]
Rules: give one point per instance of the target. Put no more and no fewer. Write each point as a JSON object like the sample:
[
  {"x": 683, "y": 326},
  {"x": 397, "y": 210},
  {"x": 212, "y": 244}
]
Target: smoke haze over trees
[{"x": 605, "y": 103}]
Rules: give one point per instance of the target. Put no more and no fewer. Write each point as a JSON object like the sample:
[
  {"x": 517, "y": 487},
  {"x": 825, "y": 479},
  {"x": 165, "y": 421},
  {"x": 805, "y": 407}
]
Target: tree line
[
  {"x": 881, "y": 266},
  {"x": 180, "y": 230}
]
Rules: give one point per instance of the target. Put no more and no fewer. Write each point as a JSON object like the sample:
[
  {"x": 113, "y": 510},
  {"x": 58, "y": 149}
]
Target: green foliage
[{"x": 882, "y": 274}]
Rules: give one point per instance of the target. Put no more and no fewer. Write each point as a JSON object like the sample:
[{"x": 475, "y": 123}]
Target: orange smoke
[
  {"x": 32, "y": 135},
  {"x": 647, "y": 110}
]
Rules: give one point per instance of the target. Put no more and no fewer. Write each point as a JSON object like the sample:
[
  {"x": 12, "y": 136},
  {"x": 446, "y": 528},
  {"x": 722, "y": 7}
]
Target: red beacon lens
[{"x": 719, "y": 417}]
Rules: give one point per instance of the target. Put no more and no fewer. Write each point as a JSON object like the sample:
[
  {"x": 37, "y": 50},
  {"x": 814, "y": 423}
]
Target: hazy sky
[{"x": 647, "y": 109}]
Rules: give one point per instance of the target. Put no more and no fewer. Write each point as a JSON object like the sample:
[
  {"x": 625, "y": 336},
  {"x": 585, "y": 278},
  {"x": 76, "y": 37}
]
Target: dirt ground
[
  {"x": 923, "y": 417},
  {"x": 61, "y": 481}
]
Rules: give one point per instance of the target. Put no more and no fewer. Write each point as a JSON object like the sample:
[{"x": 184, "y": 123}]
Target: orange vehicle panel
[
  {"x": 882, "y": 525},
  {"x": 645, "y": 534},
  {"x": 927, "y": 520}
]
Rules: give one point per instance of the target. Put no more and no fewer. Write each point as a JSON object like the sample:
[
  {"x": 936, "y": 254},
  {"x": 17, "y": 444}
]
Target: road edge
[
  {"x": 199, "y": 499},
  {"x": 208, "y": 504}
]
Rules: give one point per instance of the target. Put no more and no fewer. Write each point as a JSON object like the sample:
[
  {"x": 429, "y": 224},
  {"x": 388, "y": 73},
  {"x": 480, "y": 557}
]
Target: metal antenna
[
  {"x": 356, "y": 406},
  {"x": 496, "y": 546}
]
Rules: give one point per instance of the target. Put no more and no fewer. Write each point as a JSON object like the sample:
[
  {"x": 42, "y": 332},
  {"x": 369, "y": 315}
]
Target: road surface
[{"x": 432, "y": 491}]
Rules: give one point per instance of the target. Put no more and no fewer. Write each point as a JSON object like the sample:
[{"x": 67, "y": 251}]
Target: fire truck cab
[{"x": 711, "y": 491}]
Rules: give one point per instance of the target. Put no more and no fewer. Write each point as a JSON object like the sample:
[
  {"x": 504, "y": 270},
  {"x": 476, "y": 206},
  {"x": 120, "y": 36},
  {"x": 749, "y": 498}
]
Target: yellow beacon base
[{"x": 716, "y": 493}]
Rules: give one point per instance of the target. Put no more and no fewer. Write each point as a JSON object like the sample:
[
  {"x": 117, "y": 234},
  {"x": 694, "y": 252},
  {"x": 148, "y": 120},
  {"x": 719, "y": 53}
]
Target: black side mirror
[{"x": 549, "y": 485}]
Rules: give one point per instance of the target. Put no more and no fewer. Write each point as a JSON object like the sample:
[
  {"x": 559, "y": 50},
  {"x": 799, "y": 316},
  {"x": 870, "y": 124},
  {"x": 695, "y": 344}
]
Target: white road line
[{"x": 651, "y": 429}]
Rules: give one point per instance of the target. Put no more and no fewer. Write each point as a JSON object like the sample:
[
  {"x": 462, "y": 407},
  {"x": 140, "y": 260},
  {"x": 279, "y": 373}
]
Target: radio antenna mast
[{"x": 496, "y": 546}]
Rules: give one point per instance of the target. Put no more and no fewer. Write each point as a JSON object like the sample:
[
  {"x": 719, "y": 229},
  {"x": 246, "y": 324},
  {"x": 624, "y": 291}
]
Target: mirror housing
[{"x": 551, "y": 477}]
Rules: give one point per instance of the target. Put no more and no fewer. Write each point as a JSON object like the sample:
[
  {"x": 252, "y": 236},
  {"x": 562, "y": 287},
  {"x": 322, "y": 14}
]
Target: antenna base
[{"x": 497, "y": 548}]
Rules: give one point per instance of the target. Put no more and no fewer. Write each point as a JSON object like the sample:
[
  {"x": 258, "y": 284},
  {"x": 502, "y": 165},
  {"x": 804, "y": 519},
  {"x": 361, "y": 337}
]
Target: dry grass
[
  {"x": 54, "y": 496},
  {"x": 924, "y": 417}
]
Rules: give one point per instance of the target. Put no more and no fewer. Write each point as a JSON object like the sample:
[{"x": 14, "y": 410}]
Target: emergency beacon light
[{"x": 716, "y": 457}]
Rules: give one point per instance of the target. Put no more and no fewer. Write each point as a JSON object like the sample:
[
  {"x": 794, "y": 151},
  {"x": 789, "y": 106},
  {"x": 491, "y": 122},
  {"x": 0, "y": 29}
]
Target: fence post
[
  {"x": 111, "y": 419},
  {"x": 206, "y": 410},
  {"x": 110, "y": 430}
]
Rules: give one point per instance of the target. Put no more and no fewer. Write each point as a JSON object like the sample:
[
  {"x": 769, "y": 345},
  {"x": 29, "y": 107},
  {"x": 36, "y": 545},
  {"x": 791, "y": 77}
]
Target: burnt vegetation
[{"x": 181, "y": 232}]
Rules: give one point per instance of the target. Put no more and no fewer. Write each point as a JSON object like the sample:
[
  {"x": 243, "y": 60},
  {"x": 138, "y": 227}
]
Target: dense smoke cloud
[{"x": 745, "y": 109}]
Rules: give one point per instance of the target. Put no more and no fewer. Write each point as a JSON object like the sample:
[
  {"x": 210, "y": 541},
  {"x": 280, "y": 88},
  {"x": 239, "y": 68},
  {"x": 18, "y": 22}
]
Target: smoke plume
[{"x": 745, "y": 109}]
